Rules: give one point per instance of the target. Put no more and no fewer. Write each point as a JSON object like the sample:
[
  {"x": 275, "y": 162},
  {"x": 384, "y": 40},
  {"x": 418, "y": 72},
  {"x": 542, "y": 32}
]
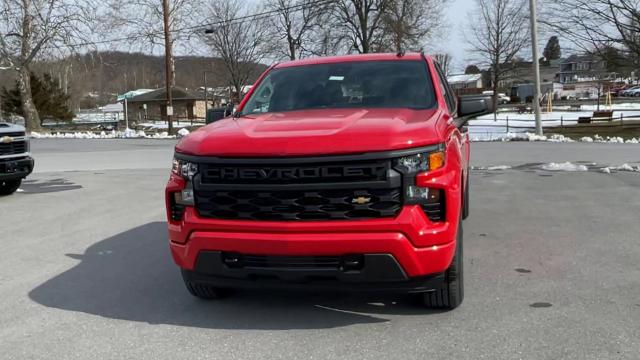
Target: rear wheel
[
  {"x": 205, "y": 291},
  {"x": 8, "y": 187},
  {"x": 450, "y": 295}
]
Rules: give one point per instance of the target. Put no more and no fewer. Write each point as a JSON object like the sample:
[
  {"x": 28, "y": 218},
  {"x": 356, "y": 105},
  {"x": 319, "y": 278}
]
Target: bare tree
[
  {"x": 35, "y": 29},
  {"x": 238, "y": 40},
  {"x": 409, "y": 23},
  {"x": 498, "y": 34},
  {"x": 361, "y": 23},
  {"x": 141, "y": 23},
  {"x": 597, "y": 24},
  {"x": 444, "y": 60},
  {"x": 293, "y": 29}
]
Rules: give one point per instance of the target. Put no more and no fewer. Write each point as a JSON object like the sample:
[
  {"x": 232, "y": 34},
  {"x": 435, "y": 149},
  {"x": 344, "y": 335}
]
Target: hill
[{"x": 95, "y": 78}]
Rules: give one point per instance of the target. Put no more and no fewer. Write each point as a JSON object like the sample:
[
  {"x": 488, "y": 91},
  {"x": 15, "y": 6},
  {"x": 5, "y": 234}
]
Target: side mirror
[{"x": 475, "y": 105}]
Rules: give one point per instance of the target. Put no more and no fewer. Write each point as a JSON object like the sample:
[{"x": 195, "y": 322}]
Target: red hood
[{"x": 315, "y": 132}]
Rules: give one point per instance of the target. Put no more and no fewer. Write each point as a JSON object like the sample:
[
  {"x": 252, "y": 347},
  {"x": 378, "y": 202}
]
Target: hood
[
  {"x": 10, "y": 128},
  {"x": 315, "y": 132}
]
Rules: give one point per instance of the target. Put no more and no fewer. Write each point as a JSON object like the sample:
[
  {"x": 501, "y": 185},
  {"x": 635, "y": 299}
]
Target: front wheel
[
  {"x": 450, "y": 295},
  {"x": 204, "y": 291},
  {"x": 8, "y": 187}
]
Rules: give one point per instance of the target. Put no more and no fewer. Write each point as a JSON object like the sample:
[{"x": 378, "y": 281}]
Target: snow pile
[
  {"x": 623, "y": 167},
  {"x": 558, "y": 138},
  {"x": 126, "y": 134},
  {"x": 76, "y": 135},
  {"x": 566, "y": 166},
  {"x": 526, "y": 136},
  {"x": 161, "y": 135},
  {"x": 183, "y": 132},
  {"x": 616, "y": 139}
]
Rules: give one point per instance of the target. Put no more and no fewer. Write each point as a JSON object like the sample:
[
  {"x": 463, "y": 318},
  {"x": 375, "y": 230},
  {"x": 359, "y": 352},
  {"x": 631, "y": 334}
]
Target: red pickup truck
[{"x": 342, "y": 173}]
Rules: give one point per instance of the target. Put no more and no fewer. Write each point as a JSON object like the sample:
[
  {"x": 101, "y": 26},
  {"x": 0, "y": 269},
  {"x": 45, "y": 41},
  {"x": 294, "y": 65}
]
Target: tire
[
  {"x": 465, "y": 199},
  {"x": 8, "y": 187},
  {"x": 451, "y": 294},
  {"x": 205, "y": 291}
]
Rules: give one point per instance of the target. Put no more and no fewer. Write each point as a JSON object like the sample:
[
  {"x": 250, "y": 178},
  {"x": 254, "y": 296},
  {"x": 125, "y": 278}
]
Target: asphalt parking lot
[{"x": 552, "y": 267}]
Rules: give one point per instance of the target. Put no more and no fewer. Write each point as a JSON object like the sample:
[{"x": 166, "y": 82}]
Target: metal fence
[{"x": 505, "y": 125}]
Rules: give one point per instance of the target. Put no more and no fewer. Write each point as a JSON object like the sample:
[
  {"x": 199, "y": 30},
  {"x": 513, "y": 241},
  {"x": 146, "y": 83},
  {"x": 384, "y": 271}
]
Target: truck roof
[
  {"x": 351, "y": 58},
  {"x": 7, "y": 127}
]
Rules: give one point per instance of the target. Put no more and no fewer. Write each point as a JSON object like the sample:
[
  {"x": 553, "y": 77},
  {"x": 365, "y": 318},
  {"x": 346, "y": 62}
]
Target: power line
[{"x": 235, "y": 21}]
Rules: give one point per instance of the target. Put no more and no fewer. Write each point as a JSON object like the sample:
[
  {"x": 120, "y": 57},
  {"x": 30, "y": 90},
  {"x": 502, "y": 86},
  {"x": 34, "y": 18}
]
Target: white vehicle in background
[
  {"x": 15, "y": 159},
  {"x": 502, "y": 98}
]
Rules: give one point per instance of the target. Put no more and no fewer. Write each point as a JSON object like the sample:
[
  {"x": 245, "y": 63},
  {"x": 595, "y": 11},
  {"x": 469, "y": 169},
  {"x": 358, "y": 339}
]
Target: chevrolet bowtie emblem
[
  {"x": 361, "y": 200},
  {"x": 6, "y": 139}
]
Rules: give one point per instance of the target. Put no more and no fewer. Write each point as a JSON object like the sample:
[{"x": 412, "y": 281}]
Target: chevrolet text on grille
[{"x": 295, "y": 173}]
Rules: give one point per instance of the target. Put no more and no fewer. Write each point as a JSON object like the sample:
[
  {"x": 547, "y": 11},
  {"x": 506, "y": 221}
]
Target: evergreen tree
[
  {"x": 552, "y": 49},
  {"x": 49, "y": 99},
  {"x": 472, "y": 69}
]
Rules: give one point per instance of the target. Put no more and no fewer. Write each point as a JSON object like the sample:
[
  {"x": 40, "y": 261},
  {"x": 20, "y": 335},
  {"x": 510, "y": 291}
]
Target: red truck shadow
[{"x": 131, "y": 276}]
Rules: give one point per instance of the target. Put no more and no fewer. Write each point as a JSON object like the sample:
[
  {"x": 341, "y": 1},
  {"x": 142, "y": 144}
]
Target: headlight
[
  {"x": 414, "y": 164},
  {"x": 187, "y": 170},
  {"x": 411, "y": 166},
  {"x": 184, "y": 168}
]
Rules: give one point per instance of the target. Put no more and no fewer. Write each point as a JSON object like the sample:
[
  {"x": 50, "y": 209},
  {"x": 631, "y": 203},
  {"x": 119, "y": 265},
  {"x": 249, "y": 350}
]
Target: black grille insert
[
  {"x": 13, "y": 148},
  {"x": 339, "y": 204},
  {"x": 235, "y": 260}
]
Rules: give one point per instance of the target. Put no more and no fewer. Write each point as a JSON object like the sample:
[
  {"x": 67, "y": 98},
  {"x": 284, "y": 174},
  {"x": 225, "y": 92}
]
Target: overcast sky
[{"x": 457, "y": 18}]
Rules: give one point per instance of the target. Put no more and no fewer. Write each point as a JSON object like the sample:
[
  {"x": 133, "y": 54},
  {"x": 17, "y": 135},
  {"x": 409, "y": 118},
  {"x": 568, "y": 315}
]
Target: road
[{"x": 552, "y": 269}]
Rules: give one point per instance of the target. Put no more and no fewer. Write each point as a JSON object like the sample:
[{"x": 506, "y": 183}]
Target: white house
[{"x": 465, "y": 81}]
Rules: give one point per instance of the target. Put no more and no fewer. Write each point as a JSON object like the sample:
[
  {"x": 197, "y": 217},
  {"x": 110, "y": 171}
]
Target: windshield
[{"x": 379, "y": 84}]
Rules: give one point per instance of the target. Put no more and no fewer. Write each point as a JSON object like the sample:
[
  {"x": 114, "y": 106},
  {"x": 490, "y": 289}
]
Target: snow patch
[
  {"x": 126, "y": 134},
  {"x": 183, "y": 132},
  {"x": 498, "y": 167},
  {"x": 623, "y": 167},
  {"x": 566, "y": 166},
  {"x": 557, "y": 138}
]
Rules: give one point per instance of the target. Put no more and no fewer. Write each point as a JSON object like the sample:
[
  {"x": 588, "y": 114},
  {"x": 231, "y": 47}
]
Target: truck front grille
[
  {"x": 324, "y": 191},
  {"x": 299, "y": 205},
  {"x": 13, "y": 148}
]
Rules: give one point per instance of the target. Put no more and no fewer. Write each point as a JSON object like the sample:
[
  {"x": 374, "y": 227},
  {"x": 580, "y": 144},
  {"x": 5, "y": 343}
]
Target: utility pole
[
  {"x": 206, "y": 95},
  {"x": 168, "y": 60},
  {"x": 536, "y": 65}
]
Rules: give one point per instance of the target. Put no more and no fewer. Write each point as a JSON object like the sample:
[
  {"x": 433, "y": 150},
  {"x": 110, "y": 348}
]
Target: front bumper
[
  {"x": 16, "y": 167},
  {"x": 419, "y": 246}
]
